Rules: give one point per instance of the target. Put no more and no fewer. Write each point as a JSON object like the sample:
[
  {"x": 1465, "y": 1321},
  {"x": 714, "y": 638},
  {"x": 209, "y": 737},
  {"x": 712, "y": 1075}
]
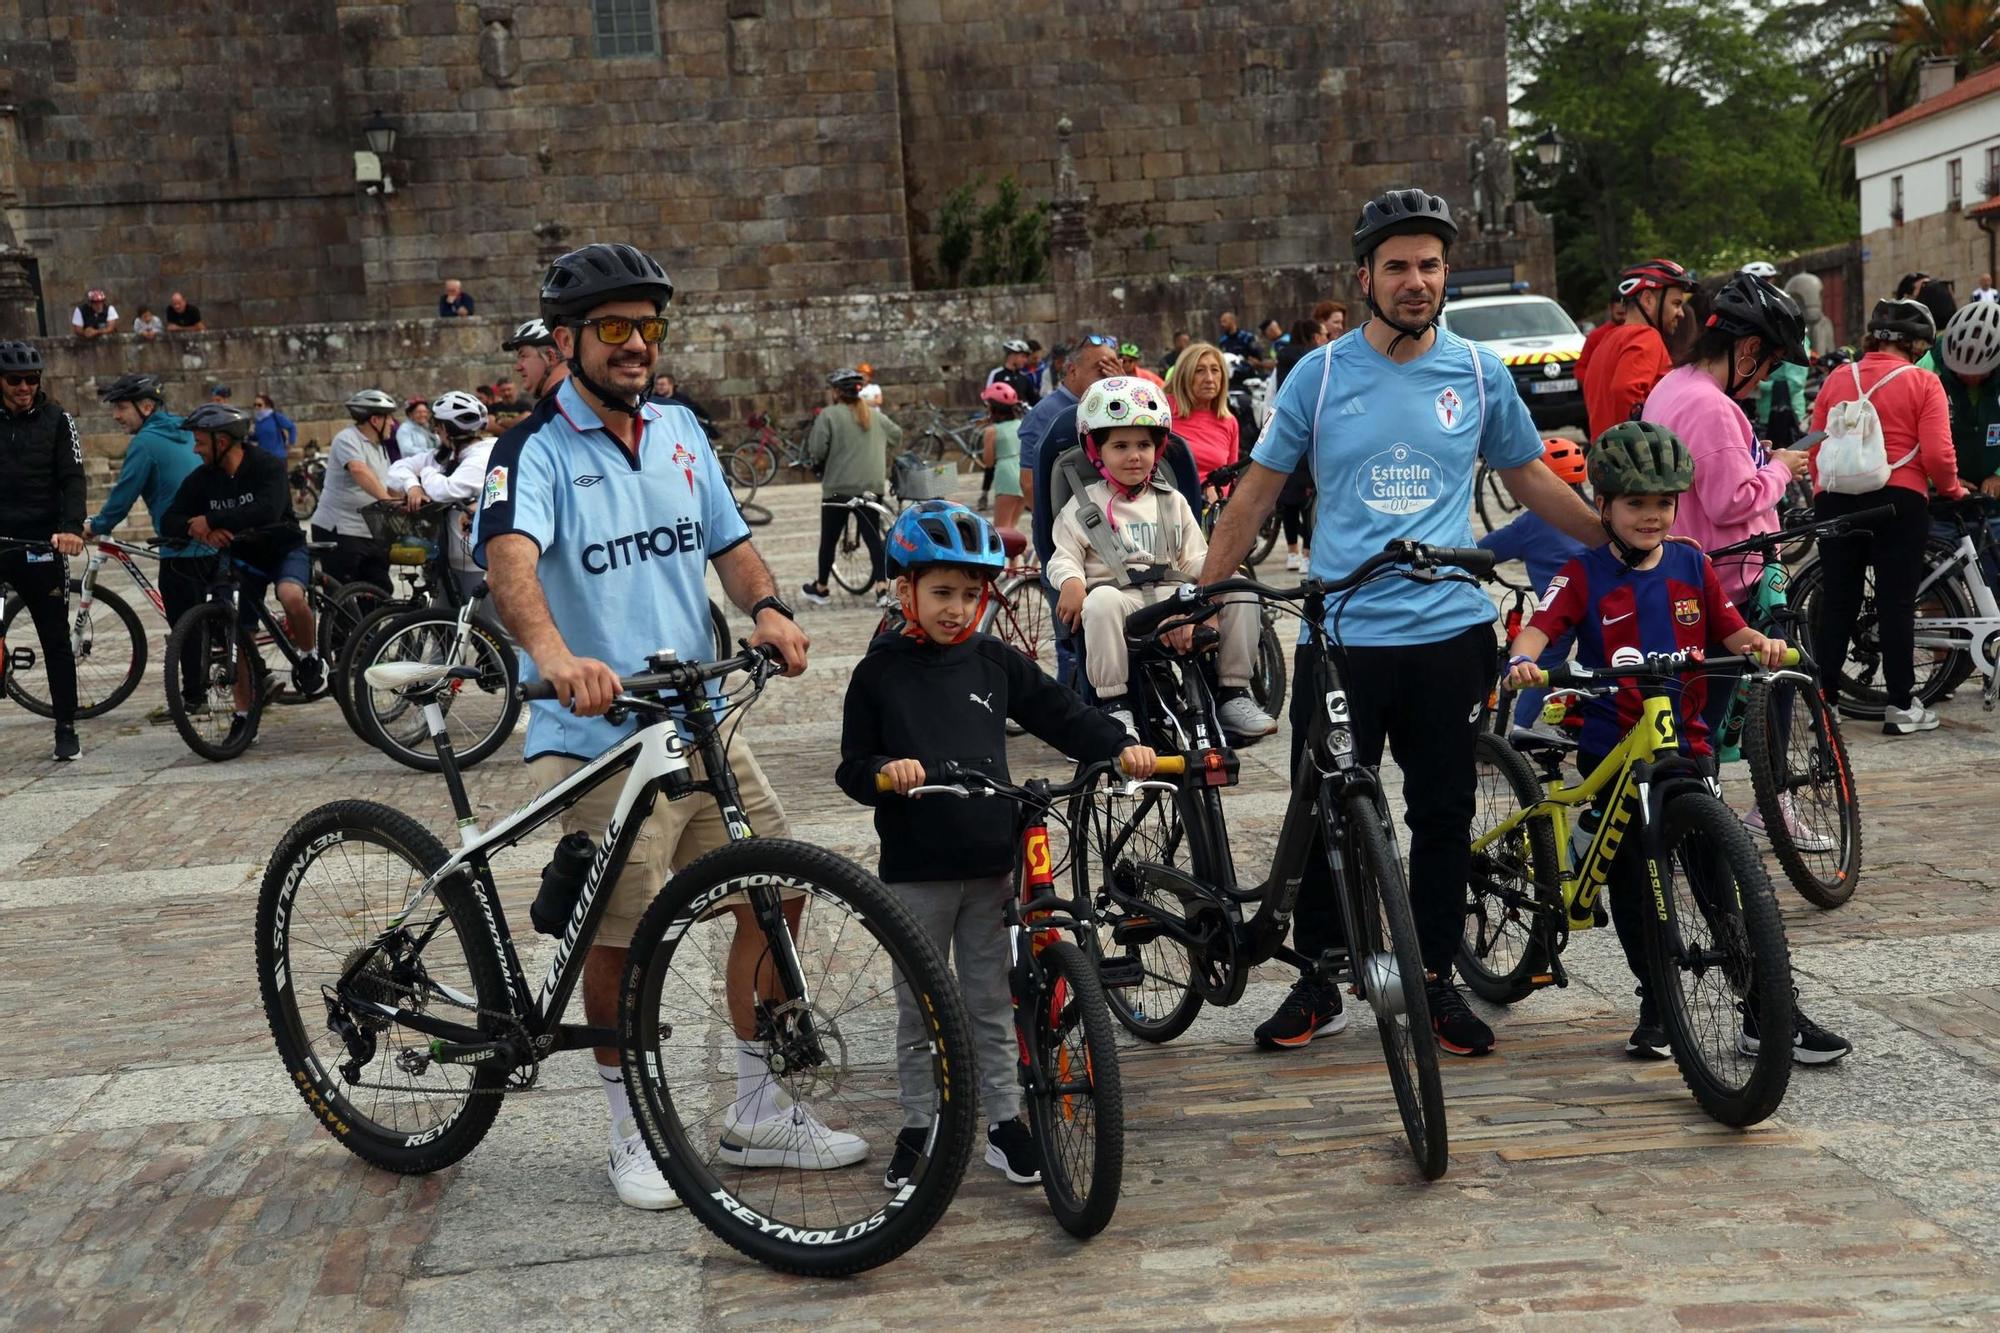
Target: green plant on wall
[{"x": 1005, "y": 241}]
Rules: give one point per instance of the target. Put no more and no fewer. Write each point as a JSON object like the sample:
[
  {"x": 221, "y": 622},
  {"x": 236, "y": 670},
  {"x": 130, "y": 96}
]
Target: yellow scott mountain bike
[{"x": 1715, "y": 946}]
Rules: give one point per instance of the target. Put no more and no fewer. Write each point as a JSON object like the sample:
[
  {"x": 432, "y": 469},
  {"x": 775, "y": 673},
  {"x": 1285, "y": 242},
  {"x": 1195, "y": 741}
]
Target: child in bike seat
[
  {"x": 937, "y": 690},
  {"x": 1638, "y": 594},
  {"x": 1132, "y": 521},
  {"x": 1544, "y": 549}
]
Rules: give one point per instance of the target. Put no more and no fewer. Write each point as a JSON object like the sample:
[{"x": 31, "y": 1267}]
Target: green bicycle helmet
[{"x": 1639, "y": 458}]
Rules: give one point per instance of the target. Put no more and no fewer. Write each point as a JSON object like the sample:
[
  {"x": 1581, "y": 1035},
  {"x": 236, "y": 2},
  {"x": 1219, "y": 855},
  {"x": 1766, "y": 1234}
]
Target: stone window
[
  {"x": 621, "y": 29},
  {"x": 1954, "y": 181}
]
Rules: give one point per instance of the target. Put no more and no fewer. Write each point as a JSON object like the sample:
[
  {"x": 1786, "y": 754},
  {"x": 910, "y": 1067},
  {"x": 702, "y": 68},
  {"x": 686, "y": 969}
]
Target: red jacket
[
  {"x": 1620, "y": 369},
  {"x": 1914, "y": 416}
]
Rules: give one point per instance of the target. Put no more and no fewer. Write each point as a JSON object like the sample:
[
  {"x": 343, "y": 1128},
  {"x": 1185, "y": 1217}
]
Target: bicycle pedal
[
  {"x": 1136, "y": 930},
  {"x": 1119, "y": 972}
]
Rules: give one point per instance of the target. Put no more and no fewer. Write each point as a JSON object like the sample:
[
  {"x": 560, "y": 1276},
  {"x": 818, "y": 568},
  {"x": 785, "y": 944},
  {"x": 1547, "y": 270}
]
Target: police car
[{"x": 1537, "y": 342}]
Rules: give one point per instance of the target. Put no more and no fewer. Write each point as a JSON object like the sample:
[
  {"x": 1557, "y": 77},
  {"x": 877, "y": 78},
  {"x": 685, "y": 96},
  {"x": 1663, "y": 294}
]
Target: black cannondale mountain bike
[{"x": 403, "y": 1014}]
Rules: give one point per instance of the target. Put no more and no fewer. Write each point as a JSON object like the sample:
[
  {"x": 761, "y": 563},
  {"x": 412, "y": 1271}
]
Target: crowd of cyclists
[{"x": 595, "y": 519}]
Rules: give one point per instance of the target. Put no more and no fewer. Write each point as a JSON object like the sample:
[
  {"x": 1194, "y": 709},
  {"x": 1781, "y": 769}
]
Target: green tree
[
  {"x": 1007, "y": 242},
  {"x": 1872, "y": 53},
  {"x": 1689, "y": 134}
]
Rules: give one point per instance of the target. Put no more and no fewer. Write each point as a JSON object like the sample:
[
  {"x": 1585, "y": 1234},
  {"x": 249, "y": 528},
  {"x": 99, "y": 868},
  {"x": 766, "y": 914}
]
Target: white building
[{"x": 1930, "y": 183}]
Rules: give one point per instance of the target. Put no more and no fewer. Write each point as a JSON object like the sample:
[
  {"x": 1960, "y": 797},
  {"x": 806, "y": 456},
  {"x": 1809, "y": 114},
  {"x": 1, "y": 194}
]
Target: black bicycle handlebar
[
  {"x": 1826, "y": 527},
  {"x": 953, "y": 773},
  {"x": 1655, "y": 666},
  {"x": 1421, "y": 559},
  {"x": 758, "y": 661}
]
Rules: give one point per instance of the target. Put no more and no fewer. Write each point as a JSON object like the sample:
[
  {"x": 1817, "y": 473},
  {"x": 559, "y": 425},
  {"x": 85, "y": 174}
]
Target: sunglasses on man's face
[
  {"x": 616, "y": 330},
  {"x": 16, "y": 381}
]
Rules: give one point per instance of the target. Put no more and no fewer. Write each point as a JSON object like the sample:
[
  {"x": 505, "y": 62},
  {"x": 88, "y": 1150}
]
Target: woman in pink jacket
[
  {"x": 1916, "y": 437},
  {"x": 1751, "y": 326}
]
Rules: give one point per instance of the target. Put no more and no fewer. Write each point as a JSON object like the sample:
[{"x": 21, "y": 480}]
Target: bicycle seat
[
  {"x": 1013, "y": 541},
  {"x": 417, "y": 679}
]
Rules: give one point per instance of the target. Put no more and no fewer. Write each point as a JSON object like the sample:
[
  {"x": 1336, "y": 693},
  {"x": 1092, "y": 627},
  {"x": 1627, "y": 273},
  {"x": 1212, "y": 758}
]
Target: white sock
[
  {"x": 756, "y": 1089},
  {"x": 623, "y": 1124}
]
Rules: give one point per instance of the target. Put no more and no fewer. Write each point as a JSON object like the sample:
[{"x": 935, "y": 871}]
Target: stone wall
[
  {"x": 1210, "y": 134},
  {"x": 1944, "y": 245}
]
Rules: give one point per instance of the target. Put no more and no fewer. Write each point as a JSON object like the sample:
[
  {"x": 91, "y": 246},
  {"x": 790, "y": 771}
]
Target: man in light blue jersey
[
  {"x": 600, "y": 515},
  {"x": 1394, "y": 419}
]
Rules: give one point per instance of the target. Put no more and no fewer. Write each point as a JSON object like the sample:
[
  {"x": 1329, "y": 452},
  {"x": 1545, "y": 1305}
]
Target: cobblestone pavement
[{"x": 156, "y": 1170}]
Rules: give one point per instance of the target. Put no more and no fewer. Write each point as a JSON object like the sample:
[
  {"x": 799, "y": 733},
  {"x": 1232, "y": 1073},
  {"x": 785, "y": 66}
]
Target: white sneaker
[
  {"x": 1908, "y": 721},
  {"x": 638, "y": 1180},
  {"x": 1242, "y": 717},
  {"x": 793, "y": 1138},
  {"x": 1803, "y": 835},
  {"x": 1292, "y": 562}
]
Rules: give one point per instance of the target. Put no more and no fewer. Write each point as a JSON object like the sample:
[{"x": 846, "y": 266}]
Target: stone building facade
[{"x": 764, "y": 149}]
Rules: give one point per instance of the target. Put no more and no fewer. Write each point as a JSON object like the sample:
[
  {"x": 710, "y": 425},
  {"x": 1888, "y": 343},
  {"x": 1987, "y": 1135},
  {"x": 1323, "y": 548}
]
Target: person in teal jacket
[{"x": 157, "y": 461}]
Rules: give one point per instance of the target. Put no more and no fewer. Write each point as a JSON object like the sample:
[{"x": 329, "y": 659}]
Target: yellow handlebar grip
[
  {"x": 1792, "y": 657},
  {"x": 883, "y": 783},
  {"x": 1169, "y": 766}
]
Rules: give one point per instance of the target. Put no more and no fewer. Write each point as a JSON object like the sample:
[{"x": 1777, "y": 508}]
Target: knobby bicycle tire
[
  {"x": 1071, "y": 1025},
  {"x": 1269, "y": 676},
  {"x": 1727, "y": 944},
  {"x": 205, "y": 631},
  {"x": 426, "y": 636},
  {"x": 652, "y": 1068},
  {"x": 1771, "y": 747},
  {"x": 1504, "y": 945},
  {"x": 1165, "y": 1003},
  {"x": 117, "y": 641},
  {"x": 1938, "y": 672},
  {"x": 1382, "y": 903},
  {"x": 341, "y": 834}
]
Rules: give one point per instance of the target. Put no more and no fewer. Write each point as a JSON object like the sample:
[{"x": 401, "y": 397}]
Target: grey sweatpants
[{"x": 964, "y": 919}]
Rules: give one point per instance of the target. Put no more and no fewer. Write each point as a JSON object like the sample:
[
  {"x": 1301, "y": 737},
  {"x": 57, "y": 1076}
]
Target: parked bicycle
[
  {"x": 1162, "y": 881},
  {"x": 1068, "y": 1045},
  {"x": 756, "y": 461},
  {"x": 1715, "y": 943},
  {"x": 402, "y": 1013},
  {"x": 106, "y": 637}
]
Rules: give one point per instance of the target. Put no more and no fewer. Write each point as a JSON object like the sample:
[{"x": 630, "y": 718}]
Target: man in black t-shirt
[{"x": 183, "y": 315}]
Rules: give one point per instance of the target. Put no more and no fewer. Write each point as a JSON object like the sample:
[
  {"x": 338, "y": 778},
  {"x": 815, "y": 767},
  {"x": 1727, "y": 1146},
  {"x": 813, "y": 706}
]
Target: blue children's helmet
[{"x": 943, "y": 532}]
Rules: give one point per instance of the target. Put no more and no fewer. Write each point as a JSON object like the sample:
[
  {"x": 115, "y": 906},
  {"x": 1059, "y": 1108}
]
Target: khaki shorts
[{"x": 672, "y": 836}]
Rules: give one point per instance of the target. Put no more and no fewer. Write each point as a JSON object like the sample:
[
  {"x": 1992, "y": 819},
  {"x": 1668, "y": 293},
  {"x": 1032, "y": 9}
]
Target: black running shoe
[
  {"x": 1313, "y": 1009},
  {"x": 1011, "y": 1150},
  {"x": 239, "y": 728},
  {"x": 67, "y": 745},
  {"x": 309, "y": 676},
  {"x": 903, "y": 1162},
  {"x": 1458, "y": 1029},
  {"x": 1649, "y": 1040},
  {"x": 1811, "y": 1043}
]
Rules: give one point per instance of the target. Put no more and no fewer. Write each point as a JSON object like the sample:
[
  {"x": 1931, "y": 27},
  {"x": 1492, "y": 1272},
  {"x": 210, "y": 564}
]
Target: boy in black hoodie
[{"x": 937, "y": 691}]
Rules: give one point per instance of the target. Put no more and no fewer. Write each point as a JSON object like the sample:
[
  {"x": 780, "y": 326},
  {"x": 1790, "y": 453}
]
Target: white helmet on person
[
  {"x": 459, "y": 412},
  {"x": 1122, "y": 401},
  {"x": 1758, "y": 268},
  {"x": 370, "y": 403},
  {"x": 1970, "y": 343}
]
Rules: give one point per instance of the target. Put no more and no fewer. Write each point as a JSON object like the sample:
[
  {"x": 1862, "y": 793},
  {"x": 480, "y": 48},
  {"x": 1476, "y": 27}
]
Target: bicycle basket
[
  {"x": 410, "y": 539},
  {"x": 918, "y": 480}
]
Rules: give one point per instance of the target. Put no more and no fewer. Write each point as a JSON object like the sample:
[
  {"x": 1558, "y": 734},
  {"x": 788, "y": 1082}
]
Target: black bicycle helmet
[
  {"x": 20, "y": 357},
  {"x": 219, "y": 418},
  {"x": 582, "y": 280},
  {"x": 847, "y": 382},
  {"x": 1749, "y": 306},
  {"x": 1906, "y": 320},
  {"x": 1402, "y": 213},
  {"x": 1639, "y": 458},
  {"x": 131, "y": 389}
]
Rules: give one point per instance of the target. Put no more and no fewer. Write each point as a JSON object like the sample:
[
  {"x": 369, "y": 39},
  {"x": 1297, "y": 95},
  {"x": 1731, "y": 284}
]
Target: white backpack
[{"x": 1853, "y": 459}]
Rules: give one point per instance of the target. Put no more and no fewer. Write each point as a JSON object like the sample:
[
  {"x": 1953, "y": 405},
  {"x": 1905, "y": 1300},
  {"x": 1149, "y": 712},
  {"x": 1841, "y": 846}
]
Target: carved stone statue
[
  {"x": 1490, "y": 166},
  {"x": 1805, "y": 289},
  {"x": 499, "y": 53}
]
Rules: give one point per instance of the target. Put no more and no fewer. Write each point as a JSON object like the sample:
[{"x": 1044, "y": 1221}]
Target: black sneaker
[
  {"x": 309, "y": 676},
  {"x": 1458, "y": 1029},
  {"x": 815, "y": 594},
  {"x": 1649, "y": 1040},
  {"x": 239, "y": 729},
  {"x": 1011, "y": 1150},
  {"x": 1811, "y": 1043},
  {"x": 67, "y": 745},
  {"x": 910, "y": 1144},
  {"x": 1313, "y": 1009}
]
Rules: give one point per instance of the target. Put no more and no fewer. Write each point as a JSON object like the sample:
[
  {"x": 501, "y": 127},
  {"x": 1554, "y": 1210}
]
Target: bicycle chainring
[{"x": 1215, "y": 968}]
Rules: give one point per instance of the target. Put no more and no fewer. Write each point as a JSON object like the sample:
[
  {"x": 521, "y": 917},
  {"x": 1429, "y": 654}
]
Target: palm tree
[{"x": 1900, "y": 37}]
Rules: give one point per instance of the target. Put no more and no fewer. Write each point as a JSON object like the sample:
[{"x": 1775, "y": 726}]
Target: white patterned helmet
[
  {"x": 1970, "y": 343},
  {"x": 1122, "y": 401},
  {"x": 459, "y": 412}
]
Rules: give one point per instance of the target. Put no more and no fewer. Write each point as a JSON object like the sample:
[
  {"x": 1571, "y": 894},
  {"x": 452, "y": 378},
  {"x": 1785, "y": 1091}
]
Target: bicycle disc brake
[
  {"x": 1216, "y": 972},
  {"x": 803, "y": 1046}
]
